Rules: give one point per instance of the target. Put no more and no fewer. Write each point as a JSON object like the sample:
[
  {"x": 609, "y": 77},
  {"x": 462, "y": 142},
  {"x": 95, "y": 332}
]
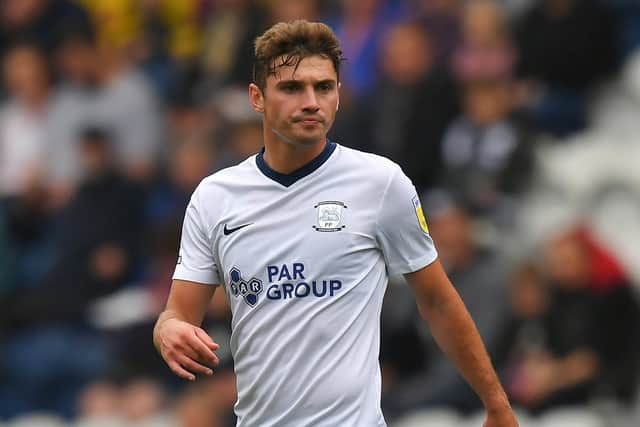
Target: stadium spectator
[
  {"x": 24, "y": 157},
  {"x": 23, "y": 121},
  {"x": 98, "y": 236},
  {"x": 485, "y": 51},
  {"x": 102, "y": 87},
  {"x": 441, "y": 20},
  {"x": 407, "y": 111},
  {"x": 361, "y": 26},
  {"x": 524, "y": 333},
  {"x": 589, "y": 340},
  {"x": 228, "y": 42},
  {"x": 486, "y": 152},
  {"x": 42, "y": 22},
  {"x": 98, "y": 242},
  {"x": 560, "y": 65}
]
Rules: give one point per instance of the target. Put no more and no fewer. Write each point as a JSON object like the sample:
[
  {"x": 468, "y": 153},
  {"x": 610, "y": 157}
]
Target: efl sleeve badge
[{"x": 418, "y": 208}]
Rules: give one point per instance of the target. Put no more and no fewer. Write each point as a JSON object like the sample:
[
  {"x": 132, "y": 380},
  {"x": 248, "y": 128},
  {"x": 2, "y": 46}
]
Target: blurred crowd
[{"x": 112, "y": 111}]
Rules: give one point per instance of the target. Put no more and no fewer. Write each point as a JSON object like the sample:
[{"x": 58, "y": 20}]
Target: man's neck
[{"x": 285, "y": 158}]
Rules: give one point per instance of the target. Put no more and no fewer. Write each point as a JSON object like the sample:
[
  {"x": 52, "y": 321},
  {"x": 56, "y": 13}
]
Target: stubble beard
[{"x": 297, "y": 142}]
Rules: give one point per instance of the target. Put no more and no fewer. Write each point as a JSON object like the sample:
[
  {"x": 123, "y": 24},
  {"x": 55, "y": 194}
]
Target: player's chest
[
  {"x": 292, "y": 247},
  {"x": 320, "y": 225}
]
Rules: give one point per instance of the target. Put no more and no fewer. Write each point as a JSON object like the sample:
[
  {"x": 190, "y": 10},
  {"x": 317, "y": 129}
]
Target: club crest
[{"x": 329, "y": 216}]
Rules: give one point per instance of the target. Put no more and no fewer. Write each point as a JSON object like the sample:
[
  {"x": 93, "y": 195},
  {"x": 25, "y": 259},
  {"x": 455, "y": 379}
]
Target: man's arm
[
  {"x": 185, "y": 347},
  {"x": 452, "y": 327}
]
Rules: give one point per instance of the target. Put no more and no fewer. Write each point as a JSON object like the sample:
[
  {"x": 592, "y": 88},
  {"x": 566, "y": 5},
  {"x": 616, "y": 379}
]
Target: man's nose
[{"x": 310, "y": 101}]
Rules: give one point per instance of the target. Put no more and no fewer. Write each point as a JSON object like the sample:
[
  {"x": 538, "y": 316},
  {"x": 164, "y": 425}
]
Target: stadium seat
[
  {"x": 631, "y": 75},
  {"x": 101, "y": 421},
  {"x": 476, "y": 420},
  {"x": 571, "y": 417},
  {"x": 158, "y": 420},
  {"x": 430, "y": 417},
  {"x": 616, "y": 106},
  {"x": 37, "y": 420},
  {"x": 614, "y": 217}
]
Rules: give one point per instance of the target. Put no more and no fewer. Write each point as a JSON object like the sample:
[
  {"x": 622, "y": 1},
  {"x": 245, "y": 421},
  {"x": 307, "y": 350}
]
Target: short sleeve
[
  {"x": 402, "y": 231},
  {"x": 195, "y": 260}
]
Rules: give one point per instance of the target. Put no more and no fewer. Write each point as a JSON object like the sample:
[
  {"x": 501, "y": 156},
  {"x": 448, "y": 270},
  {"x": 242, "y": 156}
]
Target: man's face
[
  {"x": 25, "y": 74},
  {"x": 299, "y": 104},
  {"x": 77, "y": 61}
]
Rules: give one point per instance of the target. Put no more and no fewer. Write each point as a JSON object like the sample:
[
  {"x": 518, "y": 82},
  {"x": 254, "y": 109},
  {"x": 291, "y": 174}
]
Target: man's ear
[
  {"x": 256, "y": 98},
  {"x": 338, "y": 104}
]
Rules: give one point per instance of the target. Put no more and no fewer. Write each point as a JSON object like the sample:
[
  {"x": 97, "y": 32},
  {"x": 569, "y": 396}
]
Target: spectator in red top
[{"x": 588, "y": 341}]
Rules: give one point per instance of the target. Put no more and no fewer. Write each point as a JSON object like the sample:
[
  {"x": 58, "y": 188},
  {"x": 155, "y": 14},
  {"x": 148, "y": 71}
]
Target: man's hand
[
  {"x": 501, "y": 418},
  {"x": 187, "y": 349}
]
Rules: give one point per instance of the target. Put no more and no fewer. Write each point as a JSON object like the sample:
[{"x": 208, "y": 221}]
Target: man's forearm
[{"x": 457, "y": 336}]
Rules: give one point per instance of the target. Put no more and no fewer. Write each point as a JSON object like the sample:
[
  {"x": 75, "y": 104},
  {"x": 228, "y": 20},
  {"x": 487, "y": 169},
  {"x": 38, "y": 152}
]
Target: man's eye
[
  {"x": 324, "y": 87},
  {"x": 290, "y": 89}
]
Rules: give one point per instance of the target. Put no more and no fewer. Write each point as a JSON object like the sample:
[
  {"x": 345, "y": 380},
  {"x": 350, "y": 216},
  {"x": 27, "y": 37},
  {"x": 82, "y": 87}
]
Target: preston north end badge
[{"x": 329, "y": 216}]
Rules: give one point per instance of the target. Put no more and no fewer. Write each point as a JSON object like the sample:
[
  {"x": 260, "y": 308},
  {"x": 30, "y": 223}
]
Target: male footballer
[{"x": 302, "y": 238}]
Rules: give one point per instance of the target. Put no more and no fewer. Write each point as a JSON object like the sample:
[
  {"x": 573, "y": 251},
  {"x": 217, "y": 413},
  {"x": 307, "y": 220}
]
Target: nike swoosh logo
[{"x": 228, "y": 231}]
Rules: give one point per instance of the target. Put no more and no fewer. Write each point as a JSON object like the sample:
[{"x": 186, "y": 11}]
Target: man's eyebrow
[
  {"x": 288, "y": 82},
  {"x": 326, "y": 81},
  {"x": 300, "y": 82}
]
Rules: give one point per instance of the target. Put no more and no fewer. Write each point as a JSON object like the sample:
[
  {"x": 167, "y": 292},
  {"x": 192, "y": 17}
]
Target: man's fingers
[
  {"x": 193, "y": 366},
  {"x": 199, "y": 356},
  {"x": 204, "y": 351},
  {"x": 190, "y": 353},
  {"x": 206, "y": 339},
  {"x": 188, "y": 350},
  {"x": 180, "y": 371}
]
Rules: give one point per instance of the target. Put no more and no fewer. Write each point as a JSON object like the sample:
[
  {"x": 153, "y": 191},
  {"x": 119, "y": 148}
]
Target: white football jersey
[{"x": 304, "y": 259}]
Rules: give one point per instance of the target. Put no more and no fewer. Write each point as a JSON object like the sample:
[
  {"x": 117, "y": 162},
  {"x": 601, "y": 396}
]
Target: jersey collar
[{"x": 289, "y": 178}]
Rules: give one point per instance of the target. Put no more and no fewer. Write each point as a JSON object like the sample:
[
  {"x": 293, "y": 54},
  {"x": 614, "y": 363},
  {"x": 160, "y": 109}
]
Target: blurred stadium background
[{"x": 518, "y": 121}]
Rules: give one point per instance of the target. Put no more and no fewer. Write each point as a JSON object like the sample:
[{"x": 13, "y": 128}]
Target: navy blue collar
[{"x": 290, "y": 178}]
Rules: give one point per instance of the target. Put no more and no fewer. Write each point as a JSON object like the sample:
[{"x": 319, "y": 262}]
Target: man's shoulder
[
  {"x": 231, "y": 174},
  {"x": 227, "y": 178},
  {"x": 375, "y": 164},
  {"x": 213, "y": 191}
]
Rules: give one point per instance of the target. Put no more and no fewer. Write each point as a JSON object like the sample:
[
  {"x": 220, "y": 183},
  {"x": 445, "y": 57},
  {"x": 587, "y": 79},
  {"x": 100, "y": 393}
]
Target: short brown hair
[{"x": 293, "y": 41}]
